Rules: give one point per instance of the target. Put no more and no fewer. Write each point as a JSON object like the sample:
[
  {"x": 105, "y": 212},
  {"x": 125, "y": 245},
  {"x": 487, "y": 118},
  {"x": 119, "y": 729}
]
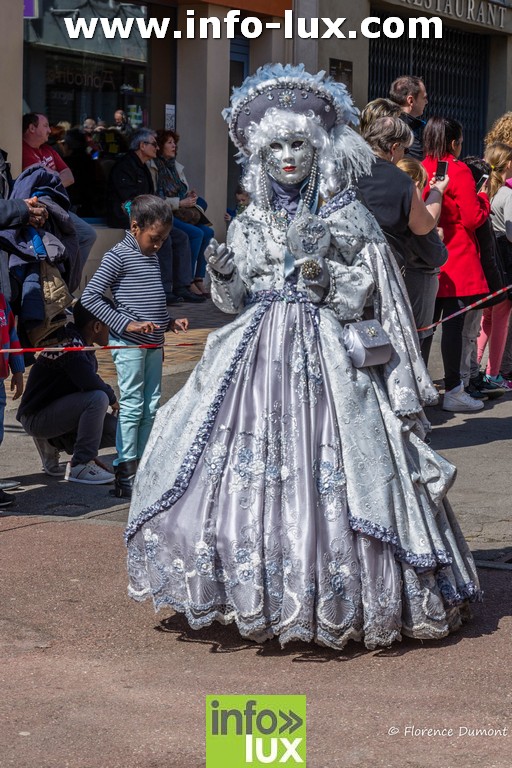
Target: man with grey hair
[
  {"x": 130, "y": 176},
  {"x": 409, "y": 92}
]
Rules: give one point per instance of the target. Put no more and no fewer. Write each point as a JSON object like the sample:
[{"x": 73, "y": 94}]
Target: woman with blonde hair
[
  {"x": 496, "y": 318},
  {"x": 501, "y": 131},
  {"x": 378, "y": 108},
  {"x": 415, "y": 170}
]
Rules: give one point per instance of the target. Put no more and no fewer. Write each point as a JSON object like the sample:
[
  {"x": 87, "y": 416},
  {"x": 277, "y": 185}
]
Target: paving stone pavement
[{"x": 90, "y": 679}]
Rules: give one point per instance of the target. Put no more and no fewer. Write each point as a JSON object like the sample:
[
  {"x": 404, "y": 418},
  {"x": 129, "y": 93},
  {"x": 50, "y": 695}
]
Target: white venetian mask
[{"x": 288, "y": 159}]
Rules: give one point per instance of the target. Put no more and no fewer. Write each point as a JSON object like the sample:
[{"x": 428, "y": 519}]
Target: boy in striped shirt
[{"x": 131, "y": 272}]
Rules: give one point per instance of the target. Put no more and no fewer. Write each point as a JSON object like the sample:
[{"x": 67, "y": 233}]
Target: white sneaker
[
  {"x": 458, "y": 400},
  {"x": 89, "y": 473},
  {"x": 50, "y": 457}
]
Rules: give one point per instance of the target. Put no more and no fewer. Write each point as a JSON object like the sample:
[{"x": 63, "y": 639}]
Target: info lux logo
[{"x": 255, "y": 730}]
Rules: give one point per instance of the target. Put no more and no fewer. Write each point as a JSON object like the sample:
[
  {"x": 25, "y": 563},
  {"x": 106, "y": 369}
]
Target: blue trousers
[
  {"x": 139, "y": 377},
  {"x": 199, "y": 237}
]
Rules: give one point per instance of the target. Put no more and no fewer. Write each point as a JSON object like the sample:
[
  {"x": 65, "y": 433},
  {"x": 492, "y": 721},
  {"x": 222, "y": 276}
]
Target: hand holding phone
[
  {"x": 441, "y": 170},
  {"x": 482, "y": 181}
]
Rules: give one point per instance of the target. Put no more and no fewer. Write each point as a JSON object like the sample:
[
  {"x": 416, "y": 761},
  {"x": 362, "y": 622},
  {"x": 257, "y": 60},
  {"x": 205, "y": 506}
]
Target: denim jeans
[
  {"x": 199, "y": 237},
  {"x": 139, "y": 377},
  {"x": 175, "y": 261}
]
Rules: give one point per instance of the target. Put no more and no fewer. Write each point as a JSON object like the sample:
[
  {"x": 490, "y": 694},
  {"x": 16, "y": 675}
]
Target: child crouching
[{"x": 131, "y": 272}]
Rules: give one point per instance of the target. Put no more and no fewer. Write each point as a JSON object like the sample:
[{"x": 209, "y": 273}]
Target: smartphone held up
[
  {"x": 441, "y": 170},
  {"x": 482, "y": 181}
]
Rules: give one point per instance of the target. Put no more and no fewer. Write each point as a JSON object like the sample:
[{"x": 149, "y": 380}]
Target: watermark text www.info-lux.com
[{"x": 231, "y": 24}]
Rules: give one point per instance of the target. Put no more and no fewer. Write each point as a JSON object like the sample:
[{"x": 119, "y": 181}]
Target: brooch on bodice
[
  {"x": 310, "y": 231},
  {"x": 311, "y": 269}
]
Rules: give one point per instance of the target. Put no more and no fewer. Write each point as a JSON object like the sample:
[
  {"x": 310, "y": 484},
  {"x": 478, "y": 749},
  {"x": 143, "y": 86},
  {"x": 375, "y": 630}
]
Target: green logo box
[{"x": 255, "y": 731}]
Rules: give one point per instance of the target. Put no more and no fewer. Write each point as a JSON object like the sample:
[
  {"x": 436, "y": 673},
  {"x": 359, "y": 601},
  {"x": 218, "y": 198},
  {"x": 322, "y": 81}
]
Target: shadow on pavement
[
  {"x": 446, "y": 435},
  {"x": 42, "y": 496},
  {"x": 485, "y": 620}
]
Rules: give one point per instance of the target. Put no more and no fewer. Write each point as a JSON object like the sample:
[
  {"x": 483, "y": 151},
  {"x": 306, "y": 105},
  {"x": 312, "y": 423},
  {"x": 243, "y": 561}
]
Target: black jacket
[
  {"x": 128, "y": 178},
  {"x": 416, "y": 124}
]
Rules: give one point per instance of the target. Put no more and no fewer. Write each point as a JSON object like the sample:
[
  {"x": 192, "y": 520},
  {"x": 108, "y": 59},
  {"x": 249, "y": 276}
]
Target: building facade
[{"x": 467, "y": 72}]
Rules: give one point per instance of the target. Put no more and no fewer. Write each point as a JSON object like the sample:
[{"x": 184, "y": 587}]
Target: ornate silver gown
[{"x": 285, "y": 490}]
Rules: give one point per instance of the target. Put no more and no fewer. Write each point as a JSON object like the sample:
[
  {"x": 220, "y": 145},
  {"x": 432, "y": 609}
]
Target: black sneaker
[
  {"x": 474, "y": 391},
  {"x": 5, "y": 499},
  {"x": 490, "y": 391},
  {"x": 172, "y": 299},
  {"x": 189, "y": 297}
]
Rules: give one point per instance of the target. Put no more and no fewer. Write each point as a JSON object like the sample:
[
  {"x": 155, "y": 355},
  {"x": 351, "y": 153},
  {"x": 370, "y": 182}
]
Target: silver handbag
[{"x": 367, "y": 343}]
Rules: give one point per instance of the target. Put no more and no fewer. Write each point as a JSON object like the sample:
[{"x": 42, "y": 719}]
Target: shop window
[{"x": 72, "y": 79}]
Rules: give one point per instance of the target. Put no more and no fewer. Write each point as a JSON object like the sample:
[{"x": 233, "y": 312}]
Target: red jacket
[
  {"x": 463, "y": 211},
  {"x": 9, "y": 340}
]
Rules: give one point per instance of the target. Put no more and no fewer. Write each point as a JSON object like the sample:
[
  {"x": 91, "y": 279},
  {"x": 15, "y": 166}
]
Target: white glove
[{"x": 219, "y": 257}]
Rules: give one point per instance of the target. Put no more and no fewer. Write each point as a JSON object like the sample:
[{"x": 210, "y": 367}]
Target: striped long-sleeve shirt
[{"x": 136, "y": 286}]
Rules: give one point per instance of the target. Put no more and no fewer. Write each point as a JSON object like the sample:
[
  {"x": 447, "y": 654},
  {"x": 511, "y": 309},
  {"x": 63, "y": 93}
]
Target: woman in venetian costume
[{"x": 301, "y": 501}]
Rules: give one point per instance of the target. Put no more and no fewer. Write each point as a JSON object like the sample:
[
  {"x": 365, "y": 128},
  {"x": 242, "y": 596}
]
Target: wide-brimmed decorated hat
[{"x": 289, "y": 88}]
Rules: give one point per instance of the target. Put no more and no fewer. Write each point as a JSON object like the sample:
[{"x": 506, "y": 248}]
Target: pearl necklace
[{"x": 280, "y": 218}]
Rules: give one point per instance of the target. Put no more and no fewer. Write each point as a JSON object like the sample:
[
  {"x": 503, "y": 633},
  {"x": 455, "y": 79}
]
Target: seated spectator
[
  {"x": 122, "y": 124},
  {"x": 187, "y": 207},
  {"x": 65, "y": 404},
  {"x": 88, "y": 191},
  {"x": 36, "y": 150},
  {"x": 89, "y": 129},
  {"x": 242, "y": 200},
  {"x": 56, "y": 135},
  {"x": 89, "y": 126},
  {"x": 131, "y": 176}
]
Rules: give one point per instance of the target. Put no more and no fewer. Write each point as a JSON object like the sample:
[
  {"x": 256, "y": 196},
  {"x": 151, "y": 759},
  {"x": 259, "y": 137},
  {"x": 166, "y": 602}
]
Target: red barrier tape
[
  {"x": 199, "y": 343},
  {"x": 18, "y": 351},
  {"x": 466, "y": 309}
]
